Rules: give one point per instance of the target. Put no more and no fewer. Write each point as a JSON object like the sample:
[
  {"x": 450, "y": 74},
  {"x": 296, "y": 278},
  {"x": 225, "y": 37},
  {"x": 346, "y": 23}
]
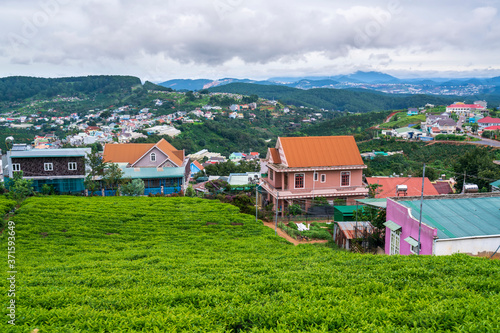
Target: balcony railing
[{"x": 320, "y": 191}]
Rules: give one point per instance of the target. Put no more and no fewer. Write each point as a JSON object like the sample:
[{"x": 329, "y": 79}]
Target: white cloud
[{"x": 175, "y": 39}]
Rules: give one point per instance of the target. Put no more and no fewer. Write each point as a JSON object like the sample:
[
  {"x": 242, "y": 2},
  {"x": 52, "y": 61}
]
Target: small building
[
  {"x": 247, "y": 178},
  {"x": 195, "y": 168},
  {"x": 345, "y": 213},
  {"x": 412, "y": 112},
  {"x": 465, "y": 223},
  {"x": 345, "y": 232},
  {"x": 63, "y": 169}
]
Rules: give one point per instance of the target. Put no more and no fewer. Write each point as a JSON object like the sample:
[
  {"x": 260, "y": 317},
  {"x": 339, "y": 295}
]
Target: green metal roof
[
  {"x": 412, "y": 241},
  {"x": 496, "y": 184},
  {"x": 347, "y": 209},
  {"x": 147, "y": 173},
  {"x": 380, "y": 203},
  {"x": 392, "y": 225},
  {"x": 407, "y": 129},
  {"x": 455, "y": 218}
]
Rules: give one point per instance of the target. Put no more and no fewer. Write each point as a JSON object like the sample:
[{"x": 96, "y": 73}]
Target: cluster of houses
[
  {"x": 298, "y": 170},
  {"x": 476, "y": 113}
]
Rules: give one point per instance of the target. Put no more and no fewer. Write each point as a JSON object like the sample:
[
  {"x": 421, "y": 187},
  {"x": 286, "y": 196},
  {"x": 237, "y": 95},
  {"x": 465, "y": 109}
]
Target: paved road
[{"x": 485, "y": 142}]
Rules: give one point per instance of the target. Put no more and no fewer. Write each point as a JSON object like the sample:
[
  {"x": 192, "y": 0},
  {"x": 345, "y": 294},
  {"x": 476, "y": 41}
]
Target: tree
[
  {"x": 190, "y": 192},
  {"x": 113, "y": 177},
  {"x": 478, "y": 167},
  {"x": 20, "y": 188},
  {"x": 294, "y": 209},
  {"x": 373, "y": 190},
  {"x": 96, "y": 165},
  {"x": 133, "y": 188}
]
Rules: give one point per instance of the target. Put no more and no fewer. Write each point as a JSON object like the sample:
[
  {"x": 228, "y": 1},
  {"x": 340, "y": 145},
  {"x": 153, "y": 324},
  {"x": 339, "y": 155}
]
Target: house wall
[
  {"x": 401, "y": 215},
  {"x": 333, "y": 179},
  {"x": 34, "y": 167},
  {"x": 145, "y": 161},
  {"x": 482, "y": 246}
]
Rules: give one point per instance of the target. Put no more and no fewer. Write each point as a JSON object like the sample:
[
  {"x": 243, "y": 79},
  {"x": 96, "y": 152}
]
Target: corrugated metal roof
[
  {"x": 455, "y": 218},
  {"x": 63, "y": 152},
  {"x": 380, "y": 203},
  {"x": 320, "y": 151},
  {"x": 349, "y": 228},
  {"x": 146, "y": 173}
]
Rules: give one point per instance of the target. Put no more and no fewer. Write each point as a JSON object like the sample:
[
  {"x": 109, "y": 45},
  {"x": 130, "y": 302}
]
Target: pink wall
[
  {"x": 332, "y": 179},
  {"x": 401, "y": 215}
]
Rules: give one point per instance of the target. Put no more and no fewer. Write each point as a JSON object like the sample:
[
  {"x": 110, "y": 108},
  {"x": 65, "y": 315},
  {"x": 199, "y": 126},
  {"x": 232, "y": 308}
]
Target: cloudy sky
[{"x": 167, "y": 39}]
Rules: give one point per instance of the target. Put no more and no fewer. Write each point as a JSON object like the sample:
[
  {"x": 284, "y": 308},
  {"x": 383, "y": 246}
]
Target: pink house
[{"x": 302, "y": 168}]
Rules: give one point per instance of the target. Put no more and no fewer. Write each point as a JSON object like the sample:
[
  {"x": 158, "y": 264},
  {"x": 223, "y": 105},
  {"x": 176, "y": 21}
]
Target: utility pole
[
  {"x": 421, "y": 204},
  {"x": 463, "y": 185},
  {"x": 276, "y": 218}
]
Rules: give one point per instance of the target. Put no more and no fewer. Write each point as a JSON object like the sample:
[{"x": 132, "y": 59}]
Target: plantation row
[{"x": 120, "y": 264}]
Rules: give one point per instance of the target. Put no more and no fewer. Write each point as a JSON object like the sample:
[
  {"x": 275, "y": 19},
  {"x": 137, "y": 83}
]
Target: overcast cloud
[{"x": 166, "y": 39}]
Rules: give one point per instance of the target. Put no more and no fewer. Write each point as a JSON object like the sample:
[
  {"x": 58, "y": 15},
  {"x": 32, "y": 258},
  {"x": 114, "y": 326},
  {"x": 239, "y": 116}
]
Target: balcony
[{"x": 340, "y": 191}]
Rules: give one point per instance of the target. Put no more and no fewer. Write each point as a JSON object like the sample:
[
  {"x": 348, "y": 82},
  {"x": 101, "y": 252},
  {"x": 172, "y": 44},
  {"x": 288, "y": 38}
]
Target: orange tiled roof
[
  {"x": 131, "y": 152},
  {"x": 414, "y": 185},
  {"x": 198, "y": 165},
  {"x": 320, "y": 151},
  {"x": 275, "y": 155}
]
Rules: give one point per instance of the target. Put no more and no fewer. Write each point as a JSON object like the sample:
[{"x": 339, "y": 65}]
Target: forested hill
[
  {"x": 335, "y": 99},
  {"x": 18, "y": 88}
]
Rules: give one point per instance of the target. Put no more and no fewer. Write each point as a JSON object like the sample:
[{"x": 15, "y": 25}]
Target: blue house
[
  {"x": 195, "y": 168},
  {"x": 412, "y": 112}
]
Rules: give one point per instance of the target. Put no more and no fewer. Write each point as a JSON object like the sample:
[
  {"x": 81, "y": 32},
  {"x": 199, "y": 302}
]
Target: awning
[
  {"x": 392, "y": 225},
  {"x": 412, "y": 241}
]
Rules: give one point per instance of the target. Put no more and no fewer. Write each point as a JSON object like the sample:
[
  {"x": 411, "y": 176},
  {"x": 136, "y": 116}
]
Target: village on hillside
[{"x": 312, "y": 187}]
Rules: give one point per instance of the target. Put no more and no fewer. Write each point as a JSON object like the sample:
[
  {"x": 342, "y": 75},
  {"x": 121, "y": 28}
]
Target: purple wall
[{"x": 401, "y": 215}]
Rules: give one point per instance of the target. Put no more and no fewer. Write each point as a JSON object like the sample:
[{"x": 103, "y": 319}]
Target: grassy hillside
[
  {"x": 334, "y": 99},
  {"x": 181, "y": 265}
]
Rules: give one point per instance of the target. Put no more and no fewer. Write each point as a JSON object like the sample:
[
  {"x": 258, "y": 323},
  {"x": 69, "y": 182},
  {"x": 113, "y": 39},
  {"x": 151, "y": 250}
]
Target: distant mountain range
[{"x": 365, "y": 80}]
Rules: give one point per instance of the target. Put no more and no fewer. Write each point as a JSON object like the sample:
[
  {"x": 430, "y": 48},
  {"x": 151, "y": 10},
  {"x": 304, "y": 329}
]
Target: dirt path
[{"x": 282, "y": 234}]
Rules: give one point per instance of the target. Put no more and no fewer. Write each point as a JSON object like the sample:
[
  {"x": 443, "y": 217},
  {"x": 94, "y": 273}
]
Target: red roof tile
[
  {"x": 443, "y": 187},
  {"x": 274, "y": 155},
  {"x": 320, "y": 151},
  {"x": 489, "y": 120},
  {"x": 414, "y": 185}
]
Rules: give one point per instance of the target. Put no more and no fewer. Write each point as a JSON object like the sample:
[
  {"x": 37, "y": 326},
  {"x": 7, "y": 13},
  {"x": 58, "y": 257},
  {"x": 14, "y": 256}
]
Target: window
[
  {"x": 153, "y": 157},
  {"x": 72, "y": 166},
  {"x": 299, "y": 180},
  {"x": 395, "y": 236},
  {"x": 16, "y": 167},
  {"x": 323, "y": 178},
  {"x": 48, "y": 167},
  {"x": 271, "y": 174},
  {"x": 414, "y": 249},
  {"x": 315, "y": 176},
  {"x": 345, "y": 178}
]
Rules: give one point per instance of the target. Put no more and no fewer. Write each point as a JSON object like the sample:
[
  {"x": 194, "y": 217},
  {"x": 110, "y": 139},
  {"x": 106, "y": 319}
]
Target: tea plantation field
[{"x": 190, "y": 265}]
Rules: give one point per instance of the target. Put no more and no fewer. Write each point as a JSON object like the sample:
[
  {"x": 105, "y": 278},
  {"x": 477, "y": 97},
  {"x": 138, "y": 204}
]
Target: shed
[
  {"x": 345, "y": 213},
  {"x": 345, "y": 232}
]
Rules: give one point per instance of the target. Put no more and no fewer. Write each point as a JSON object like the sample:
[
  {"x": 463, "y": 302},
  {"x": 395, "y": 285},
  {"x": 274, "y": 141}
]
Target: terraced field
[{"x": 120, "y": 264}]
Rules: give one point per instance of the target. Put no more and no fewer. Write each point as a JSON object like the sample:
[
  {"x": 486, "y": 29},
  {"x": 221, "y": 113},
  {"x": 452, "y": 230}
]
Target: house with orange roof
[
  {"x": 401, "y": 186},
  {"x": 303, "y": 168},
  {"x": 162, "y": 167}
]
